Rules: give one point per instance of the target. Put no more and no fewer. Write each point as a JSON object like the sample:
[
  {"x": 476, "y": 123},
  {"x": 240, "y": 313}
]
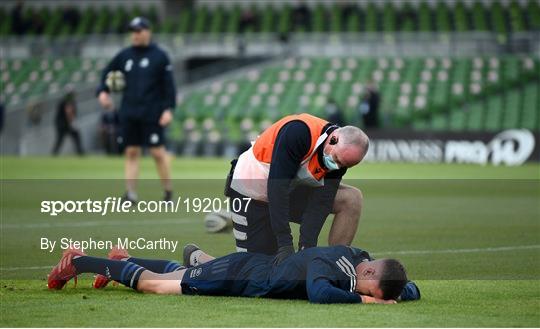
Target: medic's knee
[{"x": 354, "y": 199}]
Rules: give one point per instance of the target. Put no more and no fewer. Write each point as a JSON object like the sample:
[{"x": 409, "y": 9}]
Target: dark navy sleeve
[
  {"x": 291, "y": 145},
  {"x": 320, "y": 288},
  {"x": 114, "y": 65},
  {"x": 410, "y": 292},
  {"x": 169, "y": 89}
]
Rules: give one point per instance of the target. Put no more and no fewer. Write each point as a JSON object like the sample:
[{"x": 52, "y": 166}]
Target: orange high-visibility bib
[{"x": 251, "y": 173}]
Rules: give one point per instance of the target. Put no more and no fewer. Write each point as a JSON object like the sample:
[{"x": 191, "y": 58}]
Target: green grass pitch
[{"x": 469, "y": 236}]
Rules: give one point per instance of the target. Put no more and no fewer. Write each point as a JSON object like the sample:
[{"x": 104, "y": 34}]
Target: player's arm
[
  {"x": 169, "y": 92},
  {"x": 320, "y": 288},
  {"x": 291, "y": 145},
  {"x": 103, "y": 91},
  {"x": 169, "y": 88},
  {"x": 319, "y": 207}
]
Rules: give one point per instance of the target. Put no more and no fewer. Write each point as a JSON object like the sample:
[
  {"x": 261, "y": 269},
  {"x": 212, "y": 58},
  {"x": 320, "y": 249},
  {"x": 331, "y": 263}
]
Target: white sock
[
  {"x": 194, "y": 257},
  {"x": 132, "y": 195}
]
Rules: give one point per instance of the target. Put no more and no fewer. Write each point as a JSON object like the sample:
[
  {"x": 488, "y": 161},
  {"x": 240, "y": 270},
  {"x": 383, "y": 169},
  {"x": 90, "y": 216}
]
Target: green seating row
[
  {"x": 34, "y": 78},
  {"x": 500, "y": 16},
  {"x": 427, "y": 93},
  {"x": 518, "y": 107}
]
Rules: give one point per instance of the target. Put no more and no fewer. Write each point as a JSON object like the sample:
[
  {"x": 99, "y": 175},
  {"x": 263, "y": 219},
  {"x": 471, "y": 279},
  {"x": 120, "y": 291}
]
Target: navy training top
[{"x": 150, "y": 87}]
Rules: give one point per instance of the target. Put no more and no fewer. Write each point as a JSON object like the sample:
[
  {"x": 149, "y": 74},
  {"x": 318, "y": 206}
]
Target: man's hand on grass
[{"x": 372, "y": 300}]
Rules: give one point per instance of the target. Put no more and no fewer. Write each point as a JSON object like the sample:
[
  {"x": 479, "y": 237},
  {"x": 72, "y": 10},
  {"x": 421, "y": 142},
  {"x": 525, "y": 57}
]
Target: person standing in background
[
  {"x": 148, "y": 101},
  {"x": 64, "y": 122},
  {"x": 18, "y": 24},
  {"x": 109, "y": 132},
  {"x": 369, "y": 106}
]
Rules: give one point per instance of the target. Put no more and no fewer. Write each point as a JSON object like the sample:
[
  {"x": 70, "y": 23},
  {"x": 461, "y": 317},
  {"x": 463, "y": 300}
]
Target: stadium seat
[
  {"x": 461, "y": 22},
  {"x": 439, "y": 123},
  {"x": 457, "y": 120},
  {"x": 533, "y": 10},
  {"x": 512, "y": 109},
  {"x": 498, "y": 20},
  {"x": 475, "y": 117},
  {"x": 479, "y": 16},
  {"x": 425, "y": 15},
  {"x": 494, "y": 114},
  {"x": 184, "y": 21},
  {"x": 531, "y": 103},
  {"x": 442, "y": 17},
  {"x": 517, "y": 21}
]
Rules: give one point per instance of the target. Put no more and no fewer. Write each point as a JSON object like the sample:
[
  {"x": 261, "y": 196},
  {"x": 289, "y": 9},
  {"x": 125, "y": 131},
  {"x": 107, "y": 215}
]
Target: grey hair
[{"x": 351, "y": 135}]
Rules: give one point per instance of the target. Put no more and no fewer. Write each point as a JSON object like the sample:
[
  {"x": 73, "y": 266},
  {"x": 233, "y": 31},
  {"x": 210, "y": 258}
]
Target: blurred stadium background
[{"x": 457, "y": 81}]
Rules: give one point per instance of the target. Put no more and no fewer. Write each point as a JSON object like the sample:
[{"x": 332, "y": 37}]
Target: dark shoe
[
  {"x": 189, "y": 249},
  {"x": 168, "y": 196},
  {"x": 130, "y": 199}
]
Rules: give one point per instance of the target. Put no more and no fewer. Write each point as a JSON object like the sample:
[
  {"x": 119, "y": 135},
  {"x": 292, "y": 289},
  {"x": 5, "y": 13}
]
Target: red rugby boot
[{"x": 64, "y": 270}]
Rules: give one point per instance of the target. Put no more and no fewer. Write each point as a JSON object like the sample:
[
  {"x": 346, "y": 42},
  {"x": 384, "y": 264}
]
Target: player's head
[
  {"x": 140, "y": 31},
  {"x": 347, "y": 146},
  {"x": 382, "y": 278}
]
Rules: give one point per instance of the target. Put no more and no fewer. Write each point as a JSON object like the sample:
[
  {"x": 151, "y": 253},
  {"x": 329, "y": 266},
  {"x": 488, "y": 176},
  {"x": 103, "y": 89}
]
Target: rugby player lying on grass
[{"x": 337, "y": 274}]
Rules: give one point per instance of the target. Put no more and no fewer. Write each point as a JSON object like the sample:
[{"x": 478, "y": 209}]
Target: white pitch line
[
  {"x": 402, "y": 252},
  {"x": 26, "y": 268},
  {"x": 99, "y": 223},
  {"x": 457, "y": 251}
]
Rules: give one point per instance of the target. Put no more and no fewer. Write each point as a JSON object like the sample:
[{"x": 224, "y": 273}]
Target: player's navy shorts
[
  {"x": 251, "y": 227},
  {"x": 140, "y": 133},
  {"x": 237, "y": 274}
]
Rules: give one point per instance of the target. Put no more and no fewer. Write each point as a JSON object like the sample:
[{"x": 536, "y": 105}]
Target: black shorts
[
  {"x": 140, "y": 133},
  {"x": 251, "y": 226},
  {"x": 237, "y": 274}
]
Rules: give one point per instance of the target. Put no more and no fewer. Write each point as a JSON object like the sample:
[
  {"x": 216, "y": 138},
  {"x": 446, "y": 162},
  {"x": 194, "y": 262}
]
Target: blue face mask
[{"x": 329, "y": 162}]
